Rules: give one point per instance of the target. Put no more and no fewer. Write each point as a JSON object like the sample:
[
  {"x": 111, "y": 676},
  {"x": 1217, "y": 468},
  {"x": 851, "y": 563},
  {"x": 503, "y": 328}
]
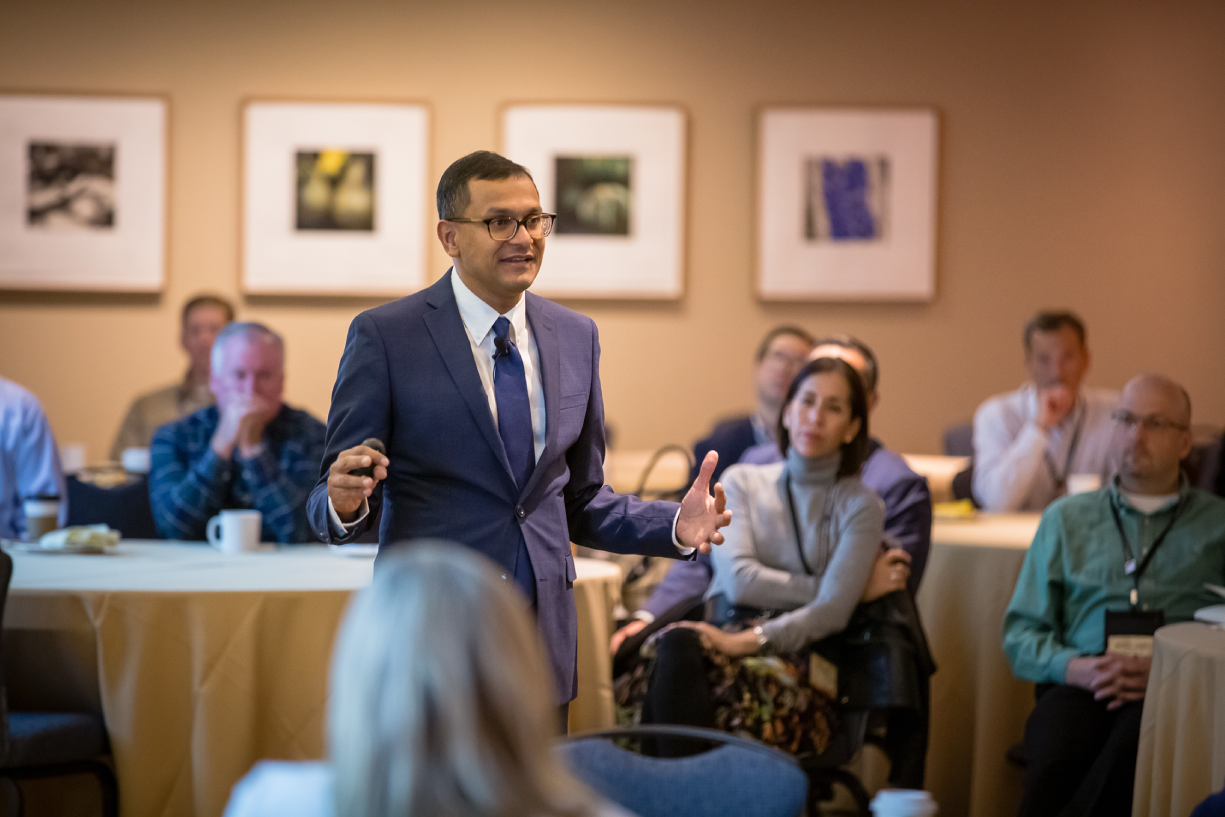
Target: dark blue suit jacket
[
  {"x": 408, "y": 378},
  {"x": 908, "y": 523},
  {"x": 731, "y": 438}
]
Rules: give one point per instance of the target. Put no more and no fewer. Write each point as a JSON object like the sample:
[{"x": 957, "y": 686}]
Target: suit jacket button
[{"x": 520, "y": 512}]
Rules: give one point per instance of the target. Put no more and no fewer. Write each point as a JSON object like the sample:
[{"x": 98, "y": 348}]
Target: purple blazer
[
  {"x": 408, "y": 378},
  {"x": 908, "y": 523}
]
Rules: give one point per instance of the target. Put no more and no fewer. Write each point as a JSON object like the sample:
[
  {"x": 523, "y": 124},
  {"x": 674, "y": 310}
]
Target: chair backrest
[
  {"x": 959, "y": 440},
  {"x": 125, "y": 507},
  {"x": 739, "y": 777}
]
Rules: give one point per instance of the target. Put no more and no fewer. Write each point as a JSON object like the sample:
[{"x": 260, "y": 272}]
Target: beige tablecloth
[
  {"x": 202, "y": 664},
  {"x": 1182, "y": 733},
  {"x": 978, "y": 707}
]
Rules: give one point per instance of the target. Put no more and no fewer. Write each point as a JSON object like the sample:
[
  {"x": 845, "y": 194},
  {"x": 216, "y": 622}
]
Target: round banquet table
[
  {"x": 978, "y": 708},
  {"x": 1182, "y": 731},
  {"x": 203, "y": 663}
]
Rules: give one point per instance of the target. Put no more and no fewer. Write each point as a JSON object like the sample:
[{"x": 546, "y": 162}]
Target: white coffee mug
[
  {"x": 903, "y": 803},
  {"x": 235, "y": 531},
  {"x": 1083, "y": 483},
  {"x": 136, "y": 460},
  {"x": 42, "y": 514}
]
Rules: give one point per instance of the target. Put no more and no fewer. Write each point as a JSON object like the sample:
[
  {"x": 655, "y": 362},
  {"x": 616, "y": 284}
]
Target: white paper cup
[
  {"x": 903, "y": 803},
  {"x": 42, "y": 515},
  {"x": 136, "y": 460},
  {"x": 235, "y": 531},
  {"x": 1083, "y": 483},
  {"x": 72, "y": 457}
]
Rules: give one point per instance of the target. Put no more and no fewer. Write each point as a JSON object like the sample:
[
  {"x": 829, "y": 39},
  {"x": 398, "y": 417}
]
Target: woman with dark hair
[{"x": 796, "y": 560}]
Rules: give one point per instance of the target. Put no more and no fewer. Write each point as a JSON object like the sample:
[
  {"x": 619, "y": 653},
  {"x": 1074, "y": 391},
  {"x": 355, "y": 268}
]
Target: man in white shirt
[
  {"x": 1028, "y": 442},
  {"x": 29, "y": 459}
]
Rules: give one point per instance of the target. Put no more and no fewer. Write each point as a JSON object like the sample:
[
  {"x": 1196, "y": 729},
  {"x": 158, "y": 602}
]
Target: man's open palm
[{"x": 702, "y": 514}]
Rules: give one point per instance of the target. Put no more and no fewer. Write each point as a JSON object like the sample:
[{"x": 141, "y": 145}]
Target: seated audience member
[
  {"x": 29, "y": 459},
  {"x": 203, "y": 317},
  {"x": 908, "y": 504},
  {"x": 249, "y": 451},
  {"x": 781, "y": 354},
  {"x": 1027, "y": 442},
  {"x": 440, "y": 704},
  {"x": 796, "y": 560},
  {"x": 1120, "y": 560}
]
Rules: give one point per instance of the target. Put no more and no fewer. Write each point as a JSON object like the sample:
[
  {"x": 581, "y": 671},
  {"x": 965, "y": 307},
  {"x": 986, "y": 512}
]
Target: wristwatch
[{"x": 762, "y": 638}]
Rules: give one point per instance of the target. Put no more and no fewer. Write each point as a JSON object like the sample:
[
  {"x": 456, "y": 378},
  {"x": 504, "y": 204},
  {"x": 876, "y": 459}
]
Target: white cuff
[
  {"x": 684, "y": 551},
  {"x": 345, "y": 528},
  {"x": 643, "y": 615}
]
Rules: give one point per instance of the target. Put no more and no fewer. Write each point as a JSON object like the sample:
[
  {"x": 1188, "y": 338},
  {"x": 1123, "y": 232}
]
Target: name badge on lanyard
[{"x": 1130, "y": 632}]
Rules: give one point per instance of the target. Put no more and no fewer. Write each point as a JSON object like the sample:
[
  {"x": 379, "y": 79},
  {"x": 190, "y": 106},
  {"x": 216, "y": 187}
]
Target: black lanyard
[
  {"x": 795, "y": 523},
  {"x": 1129, "y": 559},
  {"x": 1061, "y": 480}
]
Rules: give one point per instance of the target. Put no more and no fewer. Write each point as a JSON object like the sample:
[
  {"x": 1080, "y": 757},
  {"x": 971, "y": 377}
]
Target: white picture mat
[
  {"x": 650, "y": 261},
  {"x": 278, "y": 258},
  {"x": 900, "y": 266},
  {"x": 128, "y": 256}
]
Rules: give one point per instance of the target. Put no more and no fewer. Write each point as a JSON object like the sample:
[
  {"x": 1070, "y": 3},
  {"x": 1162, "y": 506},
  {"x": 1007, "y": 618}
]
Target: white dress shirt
[
  {"x": 478, "y": 318},
  {"x": 29, "y": 459},
  {"x": 1017, "y": 463}
]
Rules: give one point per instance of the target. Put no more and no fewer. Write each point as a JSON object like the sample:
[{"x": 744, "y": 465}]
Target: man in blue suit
[{"x": 488, "y": 401}]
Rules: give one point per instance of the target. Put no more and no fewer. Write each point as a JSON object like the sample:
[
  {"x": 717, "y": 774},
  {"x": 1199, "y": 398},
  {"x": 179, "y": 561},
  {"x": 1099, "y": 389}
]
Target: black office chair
[
  {"x": 124, "y": 508},
  {"x": 36, "y": 745}
]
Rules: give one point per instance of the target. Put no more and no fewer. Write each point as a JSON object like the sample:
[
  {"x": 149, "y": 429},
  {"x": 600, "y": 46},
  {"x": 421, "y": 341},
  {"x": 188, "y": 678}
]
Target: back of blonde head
[{"x": 440, "y": 702}]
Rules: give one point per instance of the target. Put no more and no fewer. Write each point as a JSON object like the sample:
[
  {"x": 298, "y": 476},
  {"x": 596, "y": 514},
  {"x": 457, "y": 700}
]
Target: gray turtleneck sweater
[{"x": 759, "y": 565}]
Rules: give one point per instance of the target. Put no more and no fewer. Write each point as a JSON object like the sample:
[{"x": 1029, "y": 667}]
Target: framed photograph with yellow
[{"x": 334, "y": 198}]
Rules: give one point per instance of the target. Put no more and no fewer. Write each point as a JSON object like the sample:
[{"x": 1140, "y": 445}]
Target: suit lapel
[
  {"x": 550, "y": 380},
  {"x": 451, "y": 338}
]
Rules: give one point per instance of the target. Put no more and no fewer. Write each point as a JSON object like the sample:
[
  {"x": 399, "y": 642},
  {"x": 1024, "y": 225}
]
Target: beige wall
[{"x": 1082, "y": 165}]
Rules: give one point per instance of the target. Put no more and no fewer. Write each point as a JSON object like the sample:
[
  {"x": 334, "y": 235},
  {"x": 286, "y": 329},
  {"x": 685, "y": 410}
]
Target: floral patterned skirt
[{"x": 768, "y": 698}]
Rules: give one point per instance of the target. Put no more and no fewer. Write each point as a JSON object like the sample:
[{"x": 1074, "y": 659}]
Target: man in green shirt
[{"x": 1145, "y": 543}]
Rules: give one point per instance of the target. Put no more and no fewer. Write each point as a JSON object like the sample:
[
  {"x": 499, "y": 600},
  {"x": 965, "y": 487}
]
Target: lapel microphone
[{"x": 368, "y": 471}]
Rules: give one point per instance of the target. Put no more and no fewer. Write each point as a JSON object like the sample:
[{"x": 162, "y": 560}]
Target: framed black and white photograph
[
  {"x": 82, "y": 193},
  {"x": 846, "y": 204},
  {"x": 615, "y": 176},
  {"x": 335, "y": 198}
]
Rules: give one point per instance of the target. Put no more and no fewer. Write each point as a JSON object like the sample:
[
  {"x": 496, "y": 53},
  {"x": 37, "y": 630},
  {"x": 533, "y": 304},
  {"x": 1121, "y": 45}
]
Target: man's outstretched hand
[{"x": 702, "y": 514}]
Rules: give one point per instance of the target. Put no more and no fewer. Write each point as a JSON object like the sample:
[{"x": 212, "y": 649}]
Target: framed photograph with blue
[
  {"x": 615, "y": 175},
  {"x": 846, "y": 204}
]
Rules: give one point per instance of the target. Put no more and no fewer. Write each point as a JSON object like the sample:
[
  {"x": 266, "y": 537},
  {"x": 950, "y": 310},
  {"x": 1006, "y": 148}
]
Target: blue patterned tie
[
  {"x": 514, "y": 410},
  {"x": 515, "y": 428}
]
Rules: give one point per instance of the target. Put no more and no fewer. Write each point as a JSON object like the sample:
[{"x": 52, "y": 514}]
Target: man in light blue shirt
[{"x": 29, "y": 459}]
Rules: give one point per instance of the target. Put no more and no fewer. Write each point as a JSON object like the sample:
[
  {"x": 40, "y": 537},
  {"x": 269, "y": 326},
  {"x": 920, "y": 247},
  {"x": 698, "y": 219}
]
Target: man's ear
[{"x": 447, "y": 233}]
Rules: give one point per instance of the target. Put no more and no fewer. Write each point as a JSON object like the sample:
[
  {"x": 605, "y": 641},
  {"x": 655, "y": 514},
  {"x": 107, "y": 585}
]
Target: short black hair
[
  {"x": 207, "y": 300},
  {"x": 453, "y": 196},
  {"x": 855, "y": 452},
  {"x": 1053, "y": 321},
  {"x": 779, "y": 331},
  {"x": 871, "y": 369}
]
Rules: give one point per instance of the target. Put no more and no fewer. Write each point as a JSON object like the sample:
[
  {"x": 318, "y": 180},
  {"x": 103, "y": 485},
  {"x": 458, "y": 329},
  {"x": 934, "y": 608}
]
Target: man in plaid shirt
[{"x": 249, "y": 451}]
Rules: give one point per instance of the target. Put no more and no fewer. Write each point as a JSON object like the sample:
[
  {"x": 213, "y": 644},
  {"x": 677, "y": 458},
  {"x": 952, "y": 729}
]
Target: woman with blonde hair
[{"x": 440, "y": 705}]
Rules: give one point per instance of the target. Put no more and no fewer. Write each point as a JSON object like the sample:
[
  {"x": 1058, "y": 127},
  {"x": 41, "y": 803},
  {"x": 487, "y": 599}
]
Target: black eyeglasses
[
  {"x": 1151, "y": 422},
  {"x": 503, "y": 228}
]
